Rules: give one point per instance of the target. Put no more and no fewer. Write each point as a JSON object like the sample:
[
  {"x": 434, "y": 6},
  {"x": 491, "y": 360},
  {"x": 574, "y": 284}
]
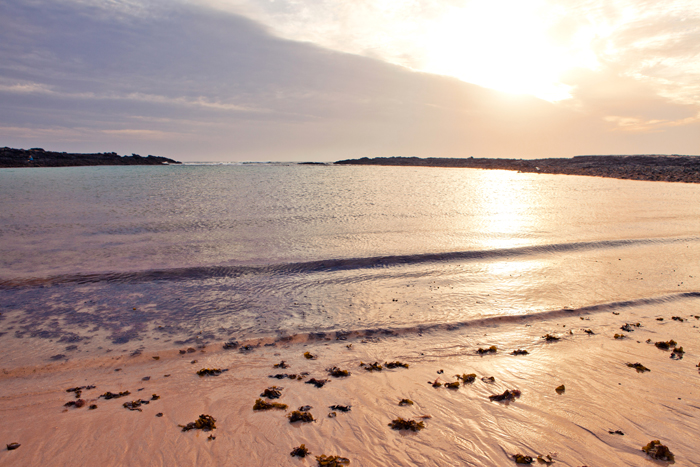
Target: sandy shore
[{"x": 462, "y": 426}]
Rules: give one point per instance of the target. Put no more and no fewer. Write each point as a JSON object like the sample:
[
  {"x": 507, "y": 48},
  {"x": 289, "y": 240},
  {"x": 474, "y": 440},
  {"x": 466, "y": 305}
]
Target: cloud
[{"x": 190, "y": 82}]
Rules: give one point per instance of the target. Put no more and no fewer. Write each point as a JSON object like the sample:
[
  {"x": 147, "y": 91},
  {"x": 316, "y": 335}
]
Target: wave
[
  {"x": 476, "y": 322},
  {"x": 327, "y": 265}
]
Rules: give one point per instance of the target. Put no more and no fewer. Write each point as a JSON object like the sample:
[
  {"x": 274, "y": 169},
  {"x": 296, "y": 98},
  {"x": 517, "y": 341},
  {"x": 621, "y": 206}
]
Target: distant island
[
  {"x": 37, "y": 157},
  {"x": 667, "y": 168}
]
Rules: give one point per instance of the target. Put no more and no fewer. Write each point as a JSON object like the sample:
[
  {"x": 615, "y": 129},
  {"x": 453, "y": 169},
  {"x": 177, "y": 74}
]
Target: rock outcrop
[
  {"x": 37, "y": 157},
  {"x": 673, "y": 168}
]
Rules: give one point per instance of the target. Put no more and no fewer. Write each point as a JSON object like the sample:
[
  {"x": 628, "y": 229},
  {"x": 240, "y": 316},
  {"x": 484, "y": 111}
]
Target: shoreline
[
  {"x": 602, "y": 395},
  {"x": 666, "y": 168}
]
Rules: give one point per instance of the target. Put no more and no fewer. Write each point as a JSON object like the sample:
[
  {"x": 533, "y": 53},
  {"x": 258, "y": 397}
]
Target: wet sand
[{"x": 462, "y": 426}]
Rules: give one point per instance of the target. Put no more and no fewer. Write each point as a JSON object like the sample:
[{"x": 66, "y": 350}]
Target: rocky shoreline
[
  {"x": 667, "y": 168},
  {"x": 38, "y": 157}
]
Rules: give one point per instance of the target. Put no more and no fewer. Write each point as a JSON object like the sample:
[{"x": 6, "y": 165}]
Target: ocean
[{"x": 96, "y": 260}]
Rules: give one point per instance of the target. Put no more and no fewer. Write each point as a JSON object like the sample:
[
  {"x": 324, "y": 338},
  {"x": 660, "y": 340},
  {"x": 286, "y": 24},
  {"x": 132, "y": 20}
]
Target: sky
[{"x": 322, "y": 80}]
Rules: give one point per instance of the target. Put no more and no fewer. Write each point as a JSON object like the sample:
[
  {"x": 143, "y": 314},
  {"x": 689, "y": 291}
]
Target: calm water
[{"x": 93, "y": 258}]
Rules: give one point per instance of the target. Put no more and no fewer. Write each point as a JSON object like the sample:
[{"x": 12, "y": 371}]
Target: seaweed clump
[
  {"x": 492, "y": 349},
  {"x": 111, "y": 395},
  {"x": 204, "y": 423},
  {"x": 550, "y": 338},
  {"x": 285, "y": 375},
  {"x": 300, "y": 451},
  {"x": 507, "y": 395},
  {"x": 665, "y": 345},
  {"x": 319, "y": 383},
  {"x": 521, "y": 459},
  {"x": 77, "y": 404},
  {"x": 677, "y": 353},
  {"x": 281, "y": 364},
  {"x": 337, "y": 372},
  {"x": 396, "y": 364},
  {"x": 560, "y": 389},
  {"x": 403, "y": 424},
  {"x": 468, "y": 378},
  {"x": 299, "y": 416},
  {"x": 79, "y": 390},
  {"x": 331, "y": 461},
  {"x": 452, "y": 385},
  {"x": 619, "y": 336},
  {"x": 264, "y": 405},
  {"x": 310, "y": 356},
  {"x": 272, "y": 393},
  {"x": 341, "y": 408},
  {"x": 376, "y": 366},
  {"x": 658, "y": 451},
  {"x": 639, "y": 367},
  {"x": 211, "y": 371},
  {"x": 519, "y": 352},
  {"x": 135, "y": 405},
  {"x": 628, "y": 327},
  {"x": 405, "y": 402}
]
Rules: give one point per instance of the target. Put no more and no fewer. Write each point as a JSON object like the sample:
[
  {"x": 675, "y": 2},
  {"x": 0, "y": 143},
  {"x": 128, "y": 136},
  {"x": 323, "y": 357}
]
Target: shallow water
[{"x": 100, "y": 259}]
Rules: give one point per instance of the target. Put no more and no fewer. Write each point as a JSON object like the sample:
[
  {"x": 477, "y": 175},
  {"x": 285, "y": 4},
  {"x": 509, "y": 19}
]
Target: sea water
[{"x": 101, "y": 259}]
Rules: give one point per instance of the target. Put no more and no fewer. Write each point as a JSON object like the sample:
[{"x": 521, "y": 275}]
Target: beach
[
  {"x": 602, "y": 395},
  {"x": 548, "y": 289}
]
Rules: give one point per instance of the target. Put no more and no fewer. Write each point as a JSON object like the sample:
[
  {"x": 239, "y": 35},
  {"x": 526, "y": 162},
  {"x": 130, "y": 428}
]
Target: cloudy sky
[{"x": 325, "y": 80}]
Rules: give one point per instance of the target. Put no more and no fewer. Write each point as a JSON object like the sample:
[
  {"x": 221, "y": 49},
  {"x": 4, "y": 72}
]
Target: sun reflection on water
[{"x": 508, "y": 208}]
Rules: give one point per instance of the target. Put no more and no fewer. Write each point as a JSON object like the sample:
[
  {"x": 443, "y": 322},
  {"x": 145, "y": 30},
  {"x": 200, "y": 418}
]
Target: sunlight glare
[{"x": 505, "y": 45}]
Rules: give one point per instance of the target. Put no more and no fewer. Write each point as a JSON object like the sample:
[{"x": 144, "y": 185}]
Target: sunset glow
[{"x": 505, "y": 45}]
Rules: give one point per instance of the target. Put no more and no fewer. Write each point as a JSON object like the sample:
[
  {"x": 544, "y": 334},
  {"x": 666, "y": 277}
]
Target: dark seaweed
[
  {"x": 403, "y": 424},
  {"x": 299, "y": 416},
  {"x": 319, "y": 383},
  {"x": 492, "y": 349},
  {"x": 331, "y": 461},
  {"x": 376, "y": 366},
  {"x": 677, "y": 353},
  {"x": 658, "y": 451},
  {"x": 337, "y": 372},
  {"x": 111, "y": 395},
  {"x": 211, "y": 371},
  {"x": 264, "y": 405},
  {"x": 507, "y": 395},
  {"x": 396, "y": 364},
  {"x": 300, "y": 451},
  {"x": 521, "y": 459},
  {"x": 340, "y": 408},
  {"x": 272, "y": 393},
  {"x": 467, "y": 378},
  {"x": 665, "y": 345},
  {"x": 204, "y": 423},
  {"x": 135, "y": 405},
  {"x": 639, "y": 367}
]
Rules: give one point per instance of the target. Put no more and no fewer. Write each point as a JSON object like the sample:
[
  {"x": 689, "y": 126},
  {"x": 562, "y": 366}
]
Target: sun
[{"x": 506, "y": 45}]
